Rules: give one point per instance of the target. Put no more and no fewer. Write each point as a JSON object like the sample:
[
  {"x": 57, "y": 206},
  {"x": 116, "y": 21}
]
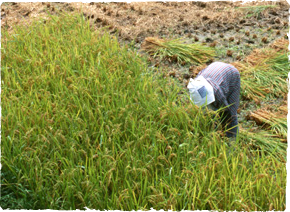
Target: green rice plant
[
  {"x": 177, "y": 51},
  {"x": 86, "y": 124}
]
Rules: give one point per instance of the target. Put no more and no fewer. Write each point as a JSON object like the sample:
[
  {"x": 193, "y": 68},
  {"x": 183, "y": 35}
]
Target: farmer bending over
[{"x": 216, "y": 86}]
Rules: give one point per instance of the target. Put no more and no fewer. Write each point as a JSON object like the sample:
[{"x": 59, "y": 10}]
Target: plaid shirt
[{"x": 225, "y": 80}]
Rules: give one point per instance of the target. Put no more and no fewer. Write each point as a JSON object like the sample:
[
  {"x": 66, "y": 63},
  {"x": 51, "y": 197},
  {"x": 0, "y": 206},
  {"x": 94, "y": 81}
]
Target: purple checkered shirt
[{"x": 225, "y": 80}]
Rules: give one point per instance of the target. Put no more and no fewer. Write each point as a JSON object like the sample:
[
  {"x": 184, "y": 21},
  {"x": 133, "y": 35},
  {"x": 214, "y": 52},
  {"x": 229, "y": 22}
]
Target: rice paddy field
[{"x": 96, "y": 114}]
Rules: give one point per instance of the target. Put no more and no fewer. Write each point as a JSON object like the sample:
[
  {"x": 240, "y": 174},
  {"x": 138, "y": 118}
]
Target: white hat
[{"x": 201, "y": 92}]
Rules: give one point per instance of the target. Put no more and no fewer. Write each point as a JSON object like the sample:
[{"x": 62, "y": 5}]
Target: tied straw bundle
[{"x": 175, "y": 51}]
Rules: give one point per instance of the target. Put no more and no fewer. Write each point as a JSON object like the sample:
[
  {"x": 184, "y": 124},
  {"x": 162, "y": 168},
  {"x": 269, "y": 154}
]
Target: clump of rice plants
[{"x": 176, "y": 51}]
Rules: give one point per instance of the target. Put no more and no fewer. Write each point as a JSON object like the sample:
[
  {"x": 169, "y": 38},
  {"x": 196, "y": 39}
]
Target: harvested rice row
[
  {"x": 266, "y": 141},
  {"x": 264, "y": 72},
  {"x": 268, "y": 120}
]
